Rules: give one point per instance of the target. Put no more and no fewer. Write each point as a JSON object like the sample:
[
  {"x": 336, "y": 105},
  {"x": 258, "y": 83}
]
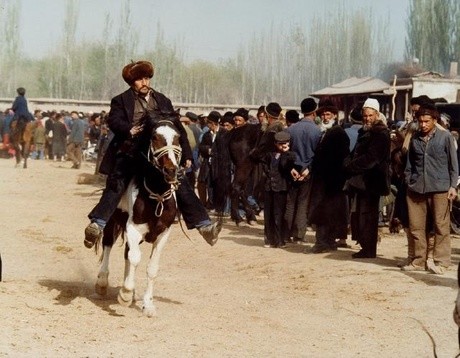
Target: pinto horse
[
  {"x": 242, "y": 140},
  {"x": 146, "y": 211},
  {"x": 21, "y": 139}
]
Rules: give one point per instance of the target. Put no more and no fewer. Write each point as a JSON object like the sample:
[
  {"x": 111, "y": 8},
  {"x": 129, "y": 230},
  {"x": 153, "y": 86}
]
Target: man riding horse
[
  {"x": 21, "y": 118},
  {"x": 125, "y": 120}
]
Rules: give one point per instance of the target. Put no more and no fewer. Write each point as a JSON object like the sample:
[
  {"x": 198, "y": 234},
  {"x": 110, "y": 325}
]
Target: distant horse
[
  {"x": 21, "y": 140},
  {"x": 242, "y": 140},
  {"x": 146, "y": 211}
]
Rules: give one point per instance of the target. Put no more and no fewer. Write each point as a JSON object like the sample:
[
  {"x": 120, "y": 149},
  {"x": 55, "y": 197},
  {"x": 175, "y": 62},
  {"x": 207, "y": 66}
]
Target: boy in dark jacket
[{"x": 277, "y": 166}]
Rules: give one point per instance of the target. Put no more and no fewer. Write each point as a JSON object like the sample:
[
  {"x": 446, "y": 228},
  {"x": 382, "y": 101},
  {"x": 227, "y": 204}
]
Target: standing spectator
[
  {"x": 221, "y": 171},
  {"x": 49, "y": 125},
  {"x": 205, "y": 150},
  {"x": 274, "y": 125},
  {"x": 262, "y": 118},
  {"x": 356, "y": 120},
  {"x": 59, "y": 138},
  {"x": 431, "y": 176},
  {"x": 6, "y": 132},
  {"x": 76, "y": 140},
  {"x": 39, "y": 138},
  {"x": 193, "y": 125},
  {"x": 368, "y": 169},
  {"x": 94, "y": 129},
  {"x": 190, "y": 172},
  {"x": 305, "y": 136},
  {"x": 328, "y": 208},
  {"x": 292, "y": 116},
  {"x": 277, "y": 166}
]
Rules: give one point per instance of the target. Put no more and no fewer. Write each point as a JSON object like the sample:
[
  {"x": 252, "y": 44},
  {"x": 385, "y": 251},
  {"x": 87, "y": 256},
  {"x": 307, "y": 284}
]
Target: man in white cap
[{"x": 369, "y": 178}]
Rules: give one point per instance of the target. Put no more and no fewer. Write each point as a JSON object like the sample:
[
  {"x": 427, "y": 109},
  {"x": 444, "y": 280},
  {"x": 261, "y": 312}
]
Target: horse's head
[{"x": 164, "y": 151}]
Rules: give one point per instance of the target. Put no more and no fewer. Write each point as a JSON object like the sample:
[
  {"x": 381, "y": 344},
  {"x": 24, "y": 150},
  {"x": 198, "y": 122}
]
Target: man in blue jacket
[{"x": 431, "y": 176}]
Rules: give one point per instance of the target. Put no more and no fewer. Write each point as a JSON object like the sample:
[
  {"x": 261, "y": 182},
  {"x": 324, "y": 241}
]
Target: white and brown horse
[{"x": 146, "y": 212}]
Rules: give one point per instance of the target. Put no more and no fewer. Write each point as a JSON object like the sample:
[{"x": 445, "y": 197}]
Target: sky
[{"x": 207, "y": 29}]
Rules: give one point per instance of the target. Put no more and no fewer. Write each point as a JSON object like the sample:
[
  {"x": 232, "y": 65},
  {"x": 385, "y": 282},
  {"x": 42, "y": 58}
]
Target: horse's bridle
[{"x": 153, "y": 157}]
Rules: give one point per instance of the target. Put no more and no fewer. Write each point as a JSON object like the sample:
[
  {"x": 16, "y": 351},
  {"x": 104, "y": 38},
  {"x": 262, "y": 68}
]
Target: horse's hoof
[
  {"x": 125, "y": 297},
  {"x": 149, "y": 311},
  {"x": 100, "y": 290}
]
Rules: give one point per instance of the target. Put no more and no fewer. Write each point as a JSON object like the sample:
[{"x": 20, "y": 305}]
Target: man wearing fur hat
[
  {"x": 328, "y": 113},
  {"x": 431, "y": 176},
  {"x": 369, "y": 179},
  {"x": 124, "y": 120},
  {"x": 328, "y": 208}
]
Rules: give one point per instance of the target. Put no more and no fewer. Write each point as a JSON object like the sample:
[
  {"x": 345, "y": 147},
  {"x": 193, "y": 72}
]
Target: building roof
[{"x": 354, "y": 85}]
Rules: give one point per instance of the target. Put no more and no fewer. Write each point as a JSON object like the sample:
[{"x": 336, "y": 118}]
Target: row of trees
[
  {"x": 433, "y": 33},
  {"x": 282, "y": 64}
]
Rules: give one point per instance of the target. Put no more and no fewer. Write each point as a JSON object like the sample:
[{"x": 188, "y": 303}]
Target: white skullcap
[{"x": 372, "y": 103}]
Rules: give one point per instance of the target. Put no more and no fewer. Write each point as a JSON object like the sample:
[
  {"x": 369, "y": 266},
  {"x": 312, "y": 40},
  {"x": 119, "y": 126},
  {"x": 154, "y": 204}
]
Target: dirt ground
[{"x": 236, "y": 299}]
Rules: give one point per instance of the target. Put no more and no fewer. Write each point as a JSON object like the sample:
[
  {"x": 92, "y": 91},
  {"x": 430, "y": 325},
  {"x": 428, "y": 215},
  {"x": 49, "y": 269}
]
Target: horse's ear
[{"x": 177, "y": 111}]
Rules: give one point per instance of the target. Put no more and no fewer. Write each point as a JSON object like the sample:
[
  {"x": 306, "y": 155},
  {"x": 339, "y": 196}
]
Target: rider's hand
[{"x": 135, "y": 130}]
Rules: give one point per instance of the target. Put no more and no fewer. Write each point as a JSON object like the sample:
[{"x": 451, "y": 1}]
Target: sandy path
[{"x": 232, "y": 300}]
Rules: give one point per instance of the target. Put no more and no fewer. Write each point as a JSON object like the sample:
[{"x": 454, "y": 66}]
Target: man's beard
[
  {"x": 366, "y": 127},
  {"x": 323, "y": 126}
]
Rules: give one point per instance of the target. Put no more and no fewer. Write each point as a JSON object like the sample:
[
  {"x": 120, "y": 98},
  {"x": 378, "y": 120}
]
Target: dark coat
[
  {"x": 204, "y": 149},
  {"x": 221, "y": 169},
  {"x": 368, "y": 167},
  {"x": 21, "y": 110},
  {"x": 120, "y": 122},
  {"x": 327, "y": 199},
  {"x": 277, "y": 172}
]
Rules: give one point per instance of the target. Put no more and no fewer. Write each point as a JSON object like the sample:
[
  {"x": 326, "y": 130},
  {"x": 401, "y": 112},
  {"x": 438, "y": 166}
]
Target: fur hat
[
  {"x": 273, "y": 109},
  {"x": 308, "y": 105},
  {"x": 137, "y": 70},
  {"x": 214, "y": 116},
  {"x": 227, "y": 118},
  {"x": 327, "y": 106},
  {"x": 282, "y": 137},
  {"x": 241, "y": 112}
]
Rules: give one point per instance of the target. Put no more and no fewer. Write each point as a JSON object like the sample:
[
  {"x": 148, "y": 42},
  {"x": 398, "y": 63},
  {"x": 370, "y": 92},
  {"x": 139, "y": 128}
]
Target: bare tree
[{"x": 432, "y": 29}]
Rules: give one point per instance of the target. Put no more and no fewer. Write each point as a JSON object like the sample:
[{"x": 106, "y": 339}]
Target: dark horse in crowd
[
  {"x": 242, "y": 140},
  {"x": 21, "y": 140},
  {"x": 146, "y": 211}
]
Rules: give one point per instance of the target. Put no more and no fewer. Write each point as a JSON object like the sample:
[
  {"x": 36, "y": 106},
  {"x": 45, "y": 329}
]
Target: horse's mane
[
  {"x": 242, "y": 140},
  {"x": 154, "y": 119}
]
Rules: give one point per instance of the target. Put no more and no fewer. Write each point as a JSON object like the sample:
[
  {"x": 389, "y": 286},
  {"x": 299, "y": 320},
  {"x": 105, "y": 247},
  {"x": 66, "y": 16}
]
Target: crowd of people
[
  {"x": 310, "y": 168},
  {"x": 335, "y": 175},
  {"x": 56, "y": 135}
]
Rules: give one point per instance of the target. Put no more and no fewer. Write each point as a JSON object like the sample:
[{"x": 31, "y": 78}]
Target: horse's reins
[
  {"x": 160, "y": 198},
  {"x": 153, "y": 157}
]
